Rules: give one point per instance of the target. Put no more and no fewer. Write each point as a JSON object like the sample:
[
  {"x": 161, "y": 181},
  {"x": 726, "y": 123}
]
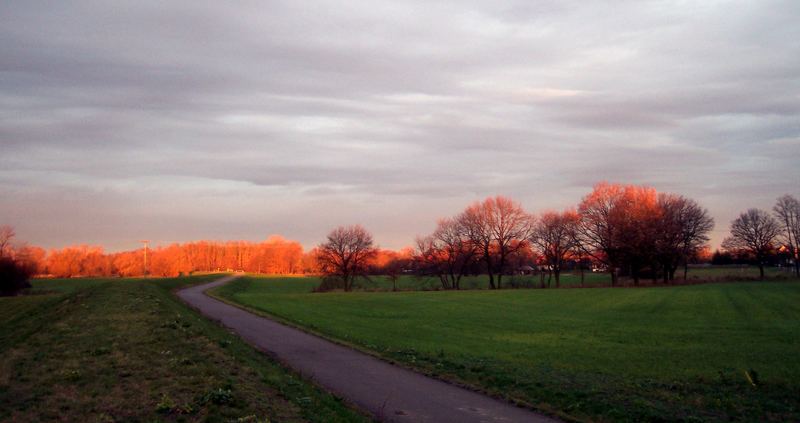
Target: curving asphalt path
[{"x": 390, "y": 393}]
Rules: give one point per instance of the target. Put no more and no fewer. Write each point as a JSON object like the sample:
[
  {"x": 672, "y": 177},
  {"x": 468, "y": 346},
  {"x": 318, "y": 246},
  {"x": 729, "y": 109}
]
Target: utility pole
[{"x": 145, "y": 242}]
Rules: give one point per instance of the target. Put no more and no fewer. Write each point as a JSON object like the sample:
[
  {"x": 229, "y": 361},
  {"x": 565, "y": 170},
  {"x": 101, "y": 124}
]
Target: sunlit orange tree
[
  {"x": 498, "y": 227},
  {"x": 629, "y": 228},
  {"x": 554, "y": 237}
]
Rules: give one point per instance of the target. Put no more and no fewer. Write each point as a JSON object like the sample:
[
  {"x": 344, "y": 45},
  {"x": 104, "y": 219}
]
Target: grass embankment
[
  {"x": 706, "y": 352},
  {"x": 128, "y": 350}
]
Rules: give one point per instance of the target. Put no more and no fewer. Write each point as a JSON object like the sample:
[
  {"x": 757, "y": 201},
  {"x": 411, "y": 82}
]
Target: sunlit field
[
  {"x": 711, "y": 351},
  {"x": 568, "y": 279},
  {"x": 104, "y": 350}
]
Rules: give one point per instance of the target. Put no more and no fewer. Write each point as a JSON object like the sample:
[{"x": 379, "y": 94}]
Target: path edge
[
  {"x": 268, "y": 354},
  {"x": 548, "y": 412}
]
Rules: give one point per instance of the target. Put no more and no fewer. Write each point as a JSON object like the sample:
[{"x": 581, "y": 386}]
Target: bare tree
[
  {"x": 474, "y": 221},
  {"x": 396, "y": 266},
  {"x": 695, "y": 223},
  {"x": 787, "y": 210},
  {"x": 14, "y": 273},
  {"x": 498, "y": 227},
  {"x": 346, "y": 254},
  {"x": 447, "y": 253},
  {"x": 600, "y": 226},
  {"x": 579, "y": 251},
  {"x": 668, "y": 238},
  {"x": 428, "y": 260},
  {"x": 638, "y": 217},
  {"x": 754, "y": 231},
  {"x": 7, "y": 234},
  {"x": 554, "y": 236},
  {"x": 681, "y": 232}
]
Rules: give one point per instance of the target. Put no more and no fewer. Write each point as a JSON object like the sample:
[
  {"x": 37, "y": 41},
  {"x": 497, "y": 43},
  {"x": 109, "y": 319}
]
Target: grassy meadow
[
  {"x": 568, "y": 279},
  {"x": 710, "y": 352},
  {"x": 104, "y": 350}
]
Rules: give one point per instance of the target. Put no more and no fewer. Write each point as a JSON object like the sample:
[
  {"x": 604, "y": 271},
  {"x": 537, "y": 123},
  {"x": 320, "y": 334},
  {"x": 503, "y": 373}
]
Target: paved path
[{"x": 389, "y": 392}]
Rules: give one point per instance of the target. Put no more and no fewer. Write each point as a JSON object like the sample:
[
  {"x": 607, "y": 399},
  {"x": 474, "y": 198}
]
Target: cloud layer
[{"x": 124, "y": 121}]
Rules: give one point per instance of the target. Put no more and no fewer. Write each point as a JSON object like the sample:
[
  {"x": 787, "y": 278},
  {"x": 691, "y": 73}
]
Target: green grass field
[
  {"x": 709, "y": 352},
  {"x": 568, "y": 279},
  {"x": 413, "y": 283},
  {"x": 95, "y": 350}
]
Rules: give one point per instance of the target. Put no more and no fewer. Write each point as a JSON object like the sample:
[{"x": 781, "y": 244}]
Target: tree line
[
  {"x": 631, "y": 231},
  {"x": 756, "y": 234},
  {"x": 275, "y": 255}
]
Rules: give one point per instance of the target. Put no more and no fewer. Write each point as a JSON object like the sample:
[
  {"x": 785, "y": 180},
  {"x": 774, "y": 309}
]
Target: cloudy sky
[{"x": 175, "y": 121}]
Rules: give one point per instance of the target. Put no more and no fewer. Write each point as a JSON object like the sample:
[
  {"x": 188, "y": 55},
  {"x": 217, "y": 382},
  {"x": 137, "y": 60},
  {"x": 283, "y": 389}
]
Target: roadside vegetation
[
  {"x": 710, "y": 352},
  {"x": 634, "y": 233},
  {"x": 103, "y": 350},
  {"x": 691, "y": 349}
]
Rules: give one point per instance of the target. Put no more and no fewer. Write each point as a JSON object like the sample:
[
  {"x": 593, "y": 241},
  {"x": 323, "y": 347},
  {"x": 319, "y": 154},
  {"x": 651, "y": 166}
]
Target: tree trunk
[
  {"x": 796, "y": 263},
  {"x": 500, "y": 269},
  {"x": 557, "y": 273},
  {"x": 541, "y": 279},
  {"x": 582, "y": 276},
  {"x": 760, "y": 270},
  {"x": 488, "y": 259},
  {"x": 613, "y": 276},
  {"x": 653, "y": 273}
]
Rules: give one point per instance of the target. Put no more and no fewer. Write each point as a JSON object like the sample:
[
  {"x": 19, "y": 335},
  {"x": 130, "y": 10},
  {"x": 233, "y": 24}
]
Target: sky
[{"x": 184, "y": 120}]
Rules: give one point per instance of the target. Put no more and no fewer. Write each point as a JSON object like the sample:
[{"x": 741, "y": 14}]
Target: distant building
[{"x": 526, "y": 270}]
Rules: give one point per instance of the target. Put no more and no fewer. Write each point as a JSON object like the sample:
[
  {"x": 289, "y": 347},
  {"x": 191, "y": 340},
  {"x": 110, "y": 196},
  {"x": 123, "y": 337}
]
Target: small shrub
[
  {"x": 165, "y": 405},
  {"x": 14, "y": 276},
  {"x": 219, "y": 396}
]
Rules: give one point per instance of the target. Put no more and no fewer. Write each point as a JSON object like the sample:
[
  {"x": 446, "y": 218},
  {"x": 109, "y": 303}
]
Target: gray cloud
[{"x": 213, "y": 120}]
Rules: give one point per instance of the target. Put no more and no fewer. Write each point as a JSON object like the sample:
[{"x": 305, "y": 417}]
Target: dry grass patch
[{"x": 129, "y": 351}]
